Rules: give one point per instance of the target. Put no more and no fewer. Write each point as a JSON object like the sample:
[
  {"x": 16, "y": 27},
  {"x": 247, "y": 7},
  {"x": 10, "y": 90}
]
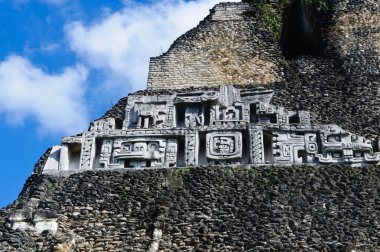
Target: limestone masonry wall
[
  {"x": 354, "y": 35},
  {"x": 230, "y": 46},
  {"x": 38, "y": 167},
  {"x": 340, "y": 86},
  {"x": 293, "y": 208},
  {"x": 331, "y": 208}
]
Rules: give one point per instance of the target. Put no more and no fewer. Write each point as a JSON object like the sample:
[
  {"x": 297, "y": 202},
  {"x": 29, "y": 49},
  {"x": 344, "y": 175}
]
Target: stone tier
[{"x": 229, "y": 126}]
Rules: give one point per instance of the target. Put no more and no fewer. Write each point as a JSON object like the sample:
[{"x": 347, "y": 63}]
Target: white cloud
[
  {"x": 50, "y": 47},
  {"x": 54, "y": 101},
  {"x": 122, "y": 42}
]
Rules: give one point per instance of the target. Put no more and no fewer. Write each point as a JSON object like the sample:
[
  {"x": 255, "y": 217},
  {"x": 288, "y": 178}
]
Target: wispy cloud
[
  {"x": 122, "y": 42},
  {"x": 49, "y": 47},
  {"x": 51, "y": 2},
  {"x": 116, "y": 47},
  {"x": 54, "y": 101}
]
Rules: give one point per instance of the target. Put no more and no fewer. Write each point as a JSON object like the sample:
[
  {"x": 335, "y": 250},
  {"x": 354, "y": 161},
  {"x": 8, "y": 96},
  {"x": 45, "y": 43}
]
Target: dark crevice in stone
[{"x": 301, "y": 33}]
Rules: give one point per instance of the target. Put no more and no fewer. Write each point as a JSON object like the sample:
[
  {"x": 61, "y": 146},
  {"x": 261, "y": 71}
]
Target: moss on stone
[
  {"x": 319, "y": 5},
  {"x": 271, "y": 15}
]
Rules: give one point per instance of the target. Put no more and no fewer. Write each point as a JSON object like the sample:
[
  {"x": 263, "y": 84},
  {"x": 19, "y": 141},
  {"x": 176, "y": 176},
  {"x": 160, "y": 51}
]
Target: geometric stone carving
[
  {"x": 229, "y": 126},
  {"x": 138, "y": 153},
  {"x": 106, "y": 152},
  {"x": 226, "y": 115},
  {"x": 224, "y": 145},
  {"x": 87, "y": 153},
  {"x": 171, "y": 153},
  {"x": 289, "y": 148},
  {"x": 104, "y": 124},
  {"x": 256, "y": 145},
  {"x": 150, "y": 116},
  {"x": 194, "y": 116},
  {"x": 191, "y": 149},
  {"x": 340, "y": 146}
]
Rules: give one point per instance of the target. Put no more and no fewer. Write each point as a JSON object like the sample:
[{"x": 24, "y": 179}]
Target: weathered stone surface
[
  {"x": 230, "y": 46},
  {"x": 39, "y": 166},
  {"x": 229, "y": 126},
  {"x": 354, "y": 34},
  {"x": 340, "y": 85},
  {"x": 330, "y": 208}
]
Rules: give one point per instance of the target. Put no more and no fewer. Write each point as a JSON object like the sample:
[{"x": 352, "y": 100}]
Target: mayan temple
[{"x": 258, "y": 131}]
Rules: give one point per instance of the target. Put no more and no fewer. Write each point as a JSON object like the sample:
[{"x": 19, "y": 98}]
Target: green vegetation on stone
[
  {"x": 180, "y": 171},
  {"x": 319, "y": 5},
  {"x": 176, "y": 177},
  {"x": 271, "y": 15},
  {"x": 271, "y": 19}
]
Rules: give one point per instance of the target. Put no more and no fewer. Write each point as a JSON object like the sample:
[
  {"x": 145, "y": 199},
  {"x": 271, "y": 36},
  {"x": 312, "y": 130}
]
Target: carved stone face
[
  {"x": 126, "y": 147},
  {"x": 106, "y": 150},
  {"x": 153, "y": 146},
  {"x": 139, "y": 147}
]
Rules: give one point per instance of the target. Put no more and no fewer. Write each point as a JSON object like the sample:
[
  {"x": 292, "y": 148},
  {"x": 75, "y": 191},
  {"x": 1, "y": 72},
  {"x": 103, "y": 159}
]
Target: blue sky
[{"x": 63, "y": 63}]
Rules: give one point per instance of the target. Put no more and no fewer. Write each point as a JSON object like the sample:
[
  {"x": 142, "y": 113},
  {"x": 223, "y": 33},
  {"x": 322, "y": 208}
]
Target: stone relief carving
[
  {"x": 224, "y": 145},
  {"x": 229, "y": 126},
  {"x": 87, "y": 154},
  {"x": 209, "y": 96},
  {"x": 105, "y": 124},
  {"x": 191, "y": 149},
  {"x": 293, "y": 147},
  {"x": 230, "y": 115},
  {"x": 170, "y": 117},
  {"x": 171, "y": 153},
  {"x": 138, "y": 152},
  {"x": 196, "y": 97},
  {"x": 340, "y": 146},
  {"x": 256, "y": 145},
  {"x": 150, "y": 116},
  {"x": 72, "y": 140},
  {"x": 105, "y": 153},
  {"x": 194, "y": 116}
]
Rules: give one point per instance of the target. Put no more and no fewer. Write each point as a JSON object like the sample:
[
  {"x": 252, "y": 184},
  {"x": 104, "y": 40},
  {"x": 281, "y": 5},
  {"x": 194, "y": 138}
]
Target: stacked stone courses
[
  {"x": 331, "y": 208},
  {"x": 230, "y": 46},
  {"x": 240, "y": 208},
  {"x": 343, "y": 80}
]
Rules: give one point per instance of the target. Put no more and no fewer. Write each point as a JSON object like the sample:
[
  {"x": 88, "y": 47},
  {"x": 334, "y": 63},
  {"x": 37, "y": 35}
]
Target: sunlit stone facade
[{"x": 226, "y": 127}]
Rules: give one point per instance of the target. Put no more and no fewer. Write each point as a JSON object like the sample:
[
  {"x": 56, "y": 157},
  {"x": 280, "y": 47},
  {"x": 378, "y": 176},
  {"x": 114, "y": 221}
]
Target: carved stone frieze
[
  {"x": 224, "y": 145},
  {"x": 106, "y": 152},
  {"x": 104, "y": 124},
  {"x": 225, "y": 126},
  {"x": 138, "y": 152},
  {"x": 72, "y": 140},
  {"x": 87, "y": 153},
  {"x": 191, "y": 157},
  {"x": 150, "y": 116},
  {"x": 256, "y": 145},
  {"x": 293, "y": 147},
  {"x": 194, "y": 116}
]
